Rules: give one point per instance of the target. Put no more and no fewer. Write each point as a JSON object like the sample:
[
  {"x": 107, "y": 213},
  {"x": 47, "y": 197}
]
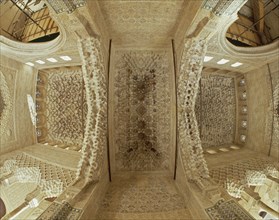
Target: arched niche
[
  {"x": 237, "y": 46},
  {"x": 259, "y": 52},
  {"x": 36, "y": 44},
  {"x": 27, "y": 21}
]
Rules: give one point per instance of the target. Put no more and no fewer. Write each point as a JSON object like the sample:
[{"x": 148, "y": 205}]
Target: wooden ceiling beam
[{"x": 258, "y": 11}]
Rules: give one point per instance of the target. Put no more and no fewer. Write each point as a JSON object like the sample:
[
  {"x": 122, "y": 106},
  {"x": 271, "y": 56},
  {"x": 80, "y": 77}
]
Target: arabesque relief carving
[
  {"x": 244, "y": 172},
  {"x": 142, "y": 110},
  {"x": 64, "y": 101},
  {"x": 190, "y": 147},
  {"x": 215, "y": 110},
  {"x": 134, "y": 21},
  {"x": 28, "y": 168},
  {"x": 94, "y": 142}
]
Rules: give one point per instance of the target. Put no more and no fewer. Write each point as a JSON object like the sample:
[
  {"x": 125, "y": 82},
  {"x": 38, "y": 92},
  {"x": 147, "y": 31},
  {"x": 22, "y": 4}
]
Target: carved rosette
[
  {"x": 94, "y": 141},
  {"x": 5, "y": 103},
  {"x": 188, "y": 133}
]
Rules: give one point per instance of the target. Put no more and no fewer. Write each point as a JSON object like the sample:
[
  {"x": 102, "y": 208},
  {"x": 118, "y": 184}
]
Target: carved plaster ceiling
[
  {"x": 142, "y": 110},
  {"x": 141, "y": 21},
  {"x": 143, "y": 196}
]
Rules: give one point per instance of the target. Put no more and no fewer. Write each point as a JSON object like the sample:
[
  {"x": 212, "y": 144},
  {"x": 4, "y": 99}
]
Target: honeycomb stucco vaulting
[
  {"x": 216, "y": 109},
  {"x": 65, "y": 103},
  {"x": 142, "y": 110}
]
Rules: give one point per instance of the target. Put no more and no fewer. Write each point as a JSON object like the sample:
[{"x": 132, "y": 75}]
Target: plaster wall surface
[
  {"x": 19, "y": 130},
  {"x": 260, "y": 108}
]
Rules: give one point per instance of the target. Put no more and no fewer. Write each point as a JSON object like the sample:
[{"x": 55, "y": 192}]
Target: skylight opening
[
  {"x": 52, "y": 60},
  {"x": 30, "y": 64},
  {"x": 66, "y": 58},
  {"x": 40, "y": 62},
  {"x": 236, "y": 64},
  {"x": 235, "y": 147},
  {"x": 207, "y": 58},
  {"x": 222, "y": 61}
]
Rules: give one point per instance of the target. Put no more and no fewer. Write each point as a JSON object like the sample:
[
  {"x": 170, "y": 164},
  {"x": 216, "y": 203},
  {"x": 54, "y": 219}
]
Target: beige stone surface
[
  {"x": 52, "y": 155},
  {"x": 141, "y": 25}
]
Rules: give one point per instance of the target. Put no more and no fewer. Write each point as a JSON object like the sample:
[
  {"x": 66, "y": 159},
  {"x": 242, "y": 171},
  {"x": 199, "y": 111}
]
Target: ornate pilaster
[
  {"x": 94, "y": 141},
  {"x": 188, "y": 84}
]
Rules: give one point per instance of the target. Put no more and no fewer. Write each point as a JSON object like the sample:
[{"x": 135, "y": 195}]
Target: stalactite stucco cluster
[
  {"x": 94, "y": 141},
  {"x": 188, "y": 132}
]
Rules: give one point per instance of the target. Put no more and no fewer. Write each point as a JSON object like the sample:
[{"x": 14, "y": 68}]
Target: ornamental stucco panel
[
  {"x": 64, "y": 106},
  {"x": 142, "y": 110},
  {"x": 65, "y": 110},
  {"x": 95, "y": 136},
  {"x": 135, "y": 21},
  {"x": 190, "y": 148}
]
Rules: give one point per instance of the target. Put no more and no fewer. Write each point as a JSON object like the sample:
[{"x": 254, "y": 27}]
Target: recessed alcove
[
  {"x": 27, "y": 21},
  {"x": 257, "y": 24}
]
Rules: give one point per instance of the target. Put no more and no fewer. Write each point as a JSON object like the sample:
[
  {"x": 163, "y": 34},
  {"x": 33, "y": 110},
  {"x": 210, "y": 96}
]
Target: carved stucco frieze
[
  {"x": 62, "y": 210},
  {"x": 275, "y": 89},
  {"x": 228, "y": 210},
  {"x": 66, "y": 6},
  {"x": 223, "y": 7},
  {"x": 188, "y": 133},
  {"x": 94, "y": 141}
]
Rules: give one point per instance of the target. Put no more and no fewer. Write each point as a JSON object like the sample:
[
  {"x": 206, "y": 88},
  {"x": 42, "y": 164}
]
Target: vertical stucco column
[
  {"x": 189, "y": 142},
  {"x": 94, "y": 142}
]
